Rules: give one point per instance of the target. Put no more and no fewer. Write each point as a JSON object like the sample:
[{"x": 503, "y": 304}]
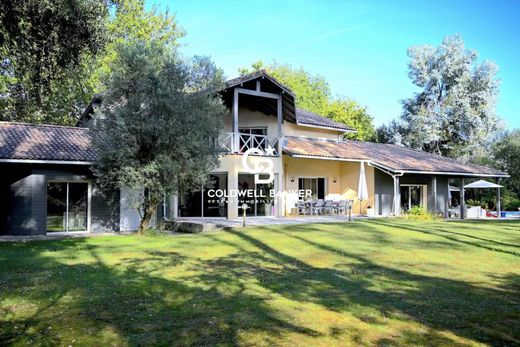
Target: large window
[
  {"x": 257, "y": 196},
  {"x": 315, "y": 184},
  {"x": 412, "y": 195},
  {"x": 200, "y": 204},
  {"x": 67, "y": 206}
]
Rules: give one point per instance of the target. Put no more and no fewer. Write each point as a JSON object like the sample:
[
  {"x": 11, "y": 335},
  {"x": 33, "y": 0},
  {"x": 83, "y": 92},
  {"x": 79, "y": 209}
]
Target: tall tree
[
  {"x": 506, "y": 153},
  {"x": 313, "y": 94},
  {"x": 144, "y": 132},
  {"x": 42, "y": 46},
  {"x": 454, "y": 113}
]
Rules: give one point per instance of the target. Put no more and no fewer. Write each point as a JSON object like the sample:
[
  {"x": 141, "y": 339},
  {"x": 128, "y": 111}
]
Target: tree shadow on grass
[
  {"x": 482, "y": 314},
  {"x": 142, "y": 302},
  {"x": 486, "y": 244},
  {"x": 94, "y": 300}
]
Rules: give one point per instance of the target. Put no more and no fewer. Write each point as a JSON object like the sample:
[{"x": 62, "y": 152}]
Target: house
[{"x": 46, "y": 183}]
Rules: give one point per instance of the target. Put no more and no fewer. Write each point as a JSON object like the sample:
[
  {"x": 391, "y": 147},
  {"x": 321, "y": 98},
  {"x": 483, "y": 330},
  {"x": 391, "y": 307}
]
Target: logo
[{"x": 262, "y": 165}]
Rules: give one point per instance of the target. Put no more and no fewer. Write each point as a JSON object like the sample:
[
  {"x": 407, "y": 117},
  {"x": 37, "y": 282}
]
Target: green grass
[{"x": 378, "y": 282}]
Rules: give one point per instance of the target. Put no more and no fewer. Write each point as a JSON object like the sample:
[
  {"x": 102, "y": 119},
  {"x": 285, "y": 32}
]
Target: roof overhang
[
  {"x": 344, "y": 131},
  {"x": 34, "y": 161},
  {"x": 398, "y": 171}
]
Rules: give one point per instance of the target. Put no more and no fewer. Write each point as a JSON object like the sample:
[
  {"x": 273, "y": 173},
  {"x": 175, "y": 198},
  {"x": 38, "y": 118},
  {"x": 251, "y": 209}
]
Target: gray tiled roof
[
  {"x": 44, "y": 142},
  {"x": 395, "y": 158},
  {"x": 308, "y": 118}
]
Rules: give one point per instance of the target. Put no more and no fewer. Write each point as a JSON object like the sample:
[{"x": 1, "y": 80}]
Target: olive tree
[{"x": 158, "y": 123}]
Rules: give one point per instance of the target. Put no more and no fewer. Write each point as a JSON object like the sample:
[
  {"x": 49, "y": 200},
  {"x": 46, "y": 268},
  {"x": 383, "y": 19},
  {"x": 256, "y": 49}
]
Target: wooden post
[
  {"x": 434, "y": 183},
  {"x": 280, "y": 119},
  {"x": 462, "y": 200},
  {"x": 498, "y": 204},
  {"x": 397, "y": 193},
  {"x": 236, "y": 143},
  {"x": 447, "y": 202}
]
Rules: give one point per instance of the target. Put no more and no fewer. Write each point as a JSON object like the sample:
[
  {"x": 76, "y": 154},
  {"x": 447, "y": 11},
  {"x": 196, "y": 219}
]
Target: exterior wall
[
  {"x": 23, "y": 199},
  {"x": 252, "y": 119},
  {"x": 384, "y": 191},
  {"x": 292, "y": 129},
  {"x": 129, "y": 217},
  {"x": 442, "y": 190},
  {"x": 232, "y": 165},
  {"x": 341, "y": 180}
]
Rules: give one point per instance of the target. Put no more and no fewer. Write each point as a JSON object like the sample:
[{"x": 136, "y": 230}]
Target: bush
[{"x": 418, "y": 213}]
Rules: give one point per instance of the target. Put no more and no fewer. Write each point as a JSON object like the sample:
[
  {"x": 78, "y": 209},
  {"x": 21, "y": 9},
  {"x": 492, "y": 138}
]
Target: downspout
[{"x": 395, "y": 177}]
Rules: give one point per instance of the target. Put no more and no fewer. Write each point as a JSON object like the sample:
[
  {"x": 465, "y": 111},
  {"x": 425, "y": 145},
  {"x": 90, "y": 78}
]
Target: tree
[
  {"x": 131, "y": 21},
  {"x": 156, "y": 126},
  {"x": 347, "y": 111},
  {"x": 454, "y": 113},
  {"x": 42, "y": 50},
  {"x": 506, "y": 154},
  {"x": 65, "y": 52},
  {"x": 313, "y": 94}
]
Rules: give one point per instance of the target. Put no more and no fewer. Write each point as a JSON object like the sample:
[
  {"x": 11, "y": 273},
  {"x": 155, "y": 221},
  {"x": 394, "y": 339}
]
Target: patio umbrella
[{"x": 362, "y": 185}]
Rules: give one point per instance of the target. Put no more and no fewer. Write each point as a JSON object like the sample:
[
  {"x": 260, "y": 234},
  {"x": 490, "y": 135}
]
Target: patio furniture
[
  {"x": 328, "y": 206},
  {"x": 318, "y": 207},
  {"x": 341, "y": 207},
  {"x": 302, "y": 208}
]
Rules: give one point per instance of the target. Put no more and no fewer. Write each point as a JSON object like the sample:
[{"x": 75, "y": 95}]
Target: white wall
[{"x": 129, "y": 218}]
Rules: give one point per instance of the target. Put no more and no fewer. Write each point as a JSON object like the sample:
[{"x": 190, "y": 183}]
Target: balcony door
[{"x": 67, "y": 206}]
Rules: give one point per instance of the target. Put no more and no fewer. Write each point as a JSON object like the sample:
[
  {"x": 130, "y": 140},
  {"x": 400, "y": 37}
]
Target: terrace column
[
  {"x": 462, "y": 200},
  {"x": 397, "y": 198},
  {"x": 232, "y": 208},
  {"x": 434, "y": 188},
  {"x": 235, "y": 141},
  {"x": 498, "y": 204}
]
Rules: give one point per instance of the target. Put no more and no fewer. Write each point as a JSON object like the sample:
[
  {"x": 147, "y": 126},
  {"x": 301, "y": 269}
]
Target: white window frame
[{"x": 325, "y": 184}]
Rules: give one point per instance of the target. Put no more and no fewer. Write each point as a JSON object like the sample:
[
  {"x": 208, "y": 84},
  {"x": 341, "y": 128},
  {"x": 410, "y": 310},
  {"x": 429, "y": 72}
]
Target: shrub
[{"x": 418, "y": 213}]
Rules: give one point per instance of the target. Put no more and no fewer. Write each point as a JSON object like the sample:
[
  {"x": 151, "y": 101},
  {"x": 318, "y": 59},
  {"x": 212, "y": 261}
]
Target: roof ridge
[{"x": 25, "y": 124}]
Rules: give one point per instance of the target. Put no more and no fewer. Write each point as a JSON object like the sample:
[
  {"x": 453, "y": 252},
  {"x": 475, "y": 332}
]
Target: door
[
  {"x": 67, "y": 206},
  {"x": 412, "y": 196}
]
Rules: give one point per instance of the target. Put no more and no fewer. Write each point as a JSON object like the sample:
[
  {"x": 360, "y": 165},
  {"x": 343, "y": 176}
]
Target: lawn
[{"x": 378, "y": 282}]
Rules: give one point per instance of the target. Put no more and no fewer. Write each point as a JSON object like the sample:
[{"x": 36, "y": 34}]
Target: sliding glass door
[
  {"x": 412, "y": 196},
  {"x": 67, "y": 206}
]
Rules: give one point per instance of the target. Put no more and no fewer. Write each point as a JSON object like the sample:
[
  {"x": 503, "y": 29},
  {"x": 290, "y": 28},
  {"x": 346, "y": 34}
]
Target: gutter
[
  {"x": 326, "y": 127},
  {"x": 31, "y": 161},
  {"x": 394, "y": 176}
]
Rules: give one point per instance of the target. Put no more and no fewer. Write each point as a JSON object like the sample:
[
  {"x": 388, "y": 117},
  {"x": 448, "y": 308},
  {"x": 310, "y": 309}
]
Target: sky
[{"x": 358, "y": 46}]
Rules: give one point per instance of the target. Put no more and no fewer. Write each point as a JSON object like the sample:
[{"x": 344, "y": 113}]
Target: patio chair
[
  {"x": 328, "y": 206},
  {"x": 318, "y": 208},
  {"x": 341, "y": 207},
  {"x": 301, "y": 208}
]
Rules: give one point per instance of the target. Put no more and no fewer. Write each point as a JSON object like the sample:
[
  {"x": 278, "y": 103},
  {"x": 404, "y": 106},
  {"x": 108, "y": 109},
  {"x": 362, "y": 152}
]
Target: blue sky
[{"x": 358, "y": 46}]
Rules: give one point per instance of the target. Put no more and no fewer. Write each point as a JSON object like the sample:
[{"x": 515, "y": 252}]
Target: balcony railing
[{"x": 240, "y": 143}]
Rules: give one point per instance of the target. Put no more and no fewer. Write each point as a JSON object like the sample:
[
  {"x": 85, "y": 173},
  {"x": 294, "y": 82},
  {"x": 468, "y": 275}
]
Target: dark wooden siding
[{"x": 23, "y": 198}]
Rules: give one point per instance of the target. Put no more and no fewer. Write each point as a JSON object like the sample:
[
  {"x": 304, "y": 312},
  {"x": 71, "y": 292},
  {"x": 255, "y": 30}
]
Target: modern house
[{"x": 46, "y": 183}]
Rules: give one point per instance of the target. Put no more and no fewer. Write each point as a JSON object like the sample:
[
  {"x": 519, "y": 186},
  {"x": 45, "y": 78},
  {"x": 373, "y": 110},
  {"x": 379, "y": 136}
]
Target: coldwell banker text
[{"x": 253, "y": 193}]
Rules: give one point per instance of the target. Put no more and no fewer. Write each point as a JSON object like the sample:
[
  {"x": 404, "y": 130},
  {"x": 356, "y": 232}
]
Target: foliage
[
  {"x": 506, "y": 154},
  {"x": 131, "y": 21},
  {"x": 43, "y": 46},
  {"x": 56, "y": 54},
  {"x": 418, "y": 213},
  {"x": 349, "y": 112},
  {"x": 143, "y": 133},
  {"x": 454, "y": 112},
  {"x": 385, "y": 282},
  {"x": 313, "y": 94}
]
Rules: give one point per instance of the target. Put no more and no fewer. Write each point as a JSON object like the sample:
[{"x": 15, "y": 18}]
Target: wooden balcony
[{"x": 240, "y": 143}]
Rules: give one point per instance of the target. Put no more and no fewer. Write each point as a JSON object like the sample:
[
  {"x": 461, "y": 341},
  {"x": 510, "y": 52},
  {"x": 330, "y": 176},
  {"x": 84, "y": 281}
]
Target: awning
[{"x": 482, "y": 184}]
